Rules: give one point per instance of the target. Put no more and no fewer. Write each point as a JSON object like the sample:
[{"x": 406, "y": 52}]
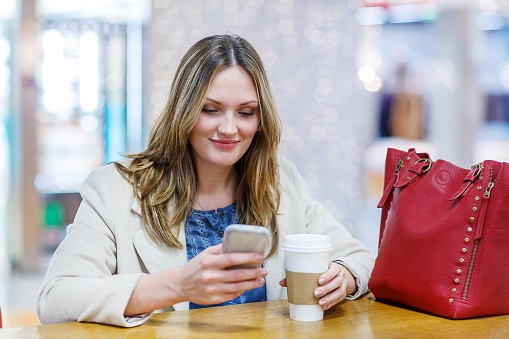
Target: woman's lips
[{"x": 225, "y": 144}]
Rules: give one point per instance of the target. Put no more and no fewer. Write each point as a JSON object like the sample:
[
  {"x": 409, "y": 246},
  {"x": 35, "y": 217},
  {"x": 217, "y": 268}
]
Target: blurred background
[{"x": 81, "y": 83}]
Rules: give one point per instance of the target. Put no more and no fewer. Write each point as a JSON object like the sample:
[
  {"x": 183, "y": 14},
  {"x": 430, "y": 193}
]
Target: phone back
[{"x": 245, "y": 238}]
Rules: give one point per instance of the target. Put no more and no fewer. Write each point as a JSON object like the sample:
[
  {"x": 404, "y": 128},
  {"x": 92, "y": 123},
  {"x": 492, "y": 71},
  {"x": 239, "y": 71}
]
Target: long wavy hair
[{"x": 164, "y": 177}]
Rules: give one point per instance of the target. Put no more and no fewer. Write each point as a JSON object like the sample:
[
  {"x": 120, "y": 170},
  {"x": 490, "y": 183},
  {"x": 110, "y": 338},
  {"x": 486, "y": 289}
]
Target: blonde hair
[{"x": 163, "y": 175}]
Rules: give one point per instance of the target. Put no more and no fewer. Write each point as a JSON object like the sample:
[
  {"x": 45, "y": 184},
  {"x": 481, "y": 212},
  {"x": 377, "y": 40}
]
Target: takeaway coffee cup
[{"x": 307, "y": 256}]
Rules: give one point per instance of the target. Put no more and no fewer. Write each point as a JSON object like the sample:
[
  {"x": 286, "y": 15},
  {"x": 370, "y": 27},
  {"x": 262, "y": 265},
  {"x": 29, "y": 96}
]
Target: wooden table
[{"x": 363, "y": 318}]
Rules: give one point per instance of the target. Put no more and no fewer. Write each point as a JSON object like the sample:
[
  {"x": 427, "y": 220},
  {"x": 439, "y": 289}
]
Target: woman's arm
[
  {"x": 95, "y": 274},
  {"x": 81, "y": 283},
  {"x": 203, "y": 280}
]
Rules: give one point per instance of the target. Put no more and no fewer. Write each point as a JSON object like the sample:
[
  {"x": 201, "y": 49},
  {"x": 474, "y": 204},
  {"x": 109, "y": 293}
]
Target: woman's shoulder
[
  {"x": 109, "y": 170},
  {"x": 290, "y": 178},
  {"x": 104, "y": 176},
  {"x": 287, "y": 168}
]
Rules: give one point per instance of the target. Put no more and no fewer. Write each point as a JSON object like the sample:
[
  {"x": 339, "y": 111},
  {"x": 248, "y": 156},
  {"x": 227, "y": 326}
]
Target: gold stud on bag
[{"x": 444, "y": 236}]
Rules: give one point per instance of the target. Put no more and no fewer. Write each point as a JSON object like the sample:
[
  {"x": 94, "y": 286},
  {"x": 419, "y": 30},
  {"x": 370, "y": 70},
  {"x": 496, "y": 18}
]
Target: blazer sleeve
[
  {"x": 81, "y": 283},
  {"x": 347, "y": 250}
]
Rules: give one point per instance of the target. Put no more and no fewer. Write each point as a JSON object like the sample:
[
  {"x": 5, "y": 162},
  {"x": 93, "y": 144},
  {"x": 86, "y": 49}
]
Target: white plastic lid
[{"x": 307, "y": 243}]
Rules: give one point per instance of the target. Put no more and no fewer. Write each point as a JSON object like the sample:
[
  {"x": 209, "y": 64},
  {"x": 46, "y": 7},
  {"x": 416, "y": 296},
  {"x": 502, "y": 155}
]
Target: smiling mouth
[{"x": 225, "y": 144}]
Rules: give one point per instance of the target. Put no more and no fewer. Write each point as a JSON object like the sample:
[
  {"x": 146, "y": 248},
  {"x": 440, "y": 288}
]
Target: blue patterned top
[{"x": 206, "y": 228}]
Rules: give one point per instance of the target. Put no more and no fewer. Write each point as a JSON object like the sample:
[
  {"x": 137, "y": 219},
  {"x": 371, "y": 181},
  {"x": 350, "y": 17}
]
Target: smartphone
[{"x": 245, "y": 238}]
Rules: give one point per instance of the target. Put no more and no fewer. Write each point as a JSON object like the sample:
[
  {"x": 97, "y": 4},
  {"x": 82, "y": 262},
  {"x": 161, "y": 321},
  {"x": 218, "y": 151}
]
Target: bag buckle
[{"x": 426, "y": 160}]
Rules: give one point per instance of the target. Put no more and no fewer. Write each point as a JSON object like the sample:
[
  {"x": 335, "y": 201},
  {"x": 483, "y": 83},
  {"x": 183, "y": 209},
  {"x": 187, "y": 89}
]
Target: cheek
[
  {"x": 249, "y": 128},
  {"x": 203, "y": 126},
  {"x": 197, "y": 134},
  {"x": 248, "y": 131}
]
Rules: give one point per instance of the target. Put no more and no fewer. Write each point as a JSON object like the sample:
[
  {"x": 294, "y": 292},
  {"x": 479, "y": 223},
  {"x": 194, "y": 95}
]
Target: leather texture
[{"x": 444, "y": 236}]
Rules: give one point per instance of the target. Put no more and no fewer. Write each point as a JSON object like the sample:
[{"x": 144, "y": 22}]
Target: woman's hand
[
  {"x": 206, "y": 280},
  {"x": 203, "y": 280},
  {"x": 334, "y": 285}
]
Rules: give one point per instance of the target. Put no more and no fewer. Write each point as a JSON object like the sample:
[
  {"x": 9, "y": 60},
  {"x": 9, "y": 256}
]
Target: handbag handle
[
  {"x": 470, "y": 179},
  {"x": 408, "y": 166},
  {"x": 419, "y": 167}
]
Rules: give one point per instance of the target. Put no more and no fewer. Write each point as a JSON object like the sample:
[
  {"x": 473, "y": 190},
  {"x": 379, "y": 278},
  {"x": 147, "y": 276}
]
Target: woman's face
[{"x": 228, "y": 121}]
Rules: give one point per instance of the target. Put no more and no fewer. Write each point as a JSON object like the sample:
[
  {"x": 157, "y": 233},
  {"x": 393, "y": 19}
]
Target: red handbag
[{"x": 444, "y": 236}]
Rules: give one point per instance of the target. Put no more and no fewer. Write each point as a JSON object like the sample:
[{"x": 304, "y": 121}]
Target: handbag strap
[
  {"x": 469, "y": 180},
  {"x": 389, "y": 187},
  {"x": 408, "y": 166},
  {"x": 415, "y": 170},
  {"x": 405, "y": 166}
]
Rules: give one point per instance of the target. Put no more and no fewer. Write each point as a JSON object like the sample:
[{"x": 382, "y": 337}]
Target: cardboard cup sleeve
[{"x": 300, "y": 287}]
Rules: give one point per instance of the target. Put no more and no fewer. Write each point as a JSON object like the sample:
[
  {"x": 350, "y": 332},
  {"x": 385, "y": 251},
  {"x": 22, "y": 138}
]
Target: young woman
[{"x": 148, "y": 233}]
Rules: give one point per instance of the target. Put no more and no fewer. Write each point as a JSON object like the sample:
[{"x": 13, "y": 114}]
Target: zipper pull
[
  {"x": 399, "y": 166},
  {"x": 484, "y": 207},
  {"x": 487, "y": 193}
]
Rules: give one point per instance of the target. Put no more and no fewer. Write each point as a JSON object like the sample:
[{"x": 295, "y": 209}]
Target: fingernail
[
  {"x": 261, "y": 281},
  {"x": 321, "y": 281},
  {"x": 321, "y": 302},
  {"x": 318, "y": 293}
]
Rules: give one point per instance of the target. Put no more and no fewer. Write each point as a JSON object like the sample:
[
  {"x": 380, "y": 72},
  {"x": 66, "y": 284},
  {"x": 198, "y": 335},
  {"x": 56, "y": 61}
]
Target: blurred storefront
[
  {"x": 67, "y": 106},
  {"x": 7, "y": 14}
]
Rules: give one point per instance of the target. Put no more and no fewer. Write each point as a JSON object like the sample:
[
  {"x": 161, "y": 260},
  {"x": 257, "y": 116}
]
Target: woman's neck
[{"x": 216, "y": 189}]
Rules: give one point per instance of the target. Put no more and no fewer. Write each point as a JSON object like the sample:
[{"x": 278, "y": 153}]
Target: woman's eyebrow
[
  {"x": 242, "y": 104},
  {"x": 249, "y": 102},
  {"x": 209, "y": 99}
]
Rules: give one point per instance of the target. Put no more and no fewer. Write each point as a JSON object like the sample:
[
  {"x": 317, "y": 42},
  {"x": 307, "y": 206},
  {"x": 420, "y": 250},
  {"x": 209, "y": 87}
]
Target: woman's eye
[
  {"x": 208, "y": 111},
  {"x": 246, "y": 114}
]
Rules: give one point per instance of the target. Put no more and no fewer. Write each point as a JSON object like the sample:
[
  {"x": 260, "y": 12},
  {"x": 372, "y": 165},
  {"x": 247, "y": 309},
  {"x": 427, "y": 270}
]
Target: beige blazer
[{"x": 95, "y": 269}]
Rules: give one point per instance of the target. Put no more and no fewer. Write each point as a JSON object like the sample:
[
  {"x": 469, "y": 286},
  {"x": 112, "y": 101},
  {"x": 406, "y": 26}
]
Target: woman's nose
[{"x": 227, "y": 125}]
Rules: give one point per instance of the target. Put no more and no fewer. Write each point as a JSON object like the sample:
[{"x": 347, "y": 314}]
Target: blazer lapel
[{"x": 157, "y": 256}]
